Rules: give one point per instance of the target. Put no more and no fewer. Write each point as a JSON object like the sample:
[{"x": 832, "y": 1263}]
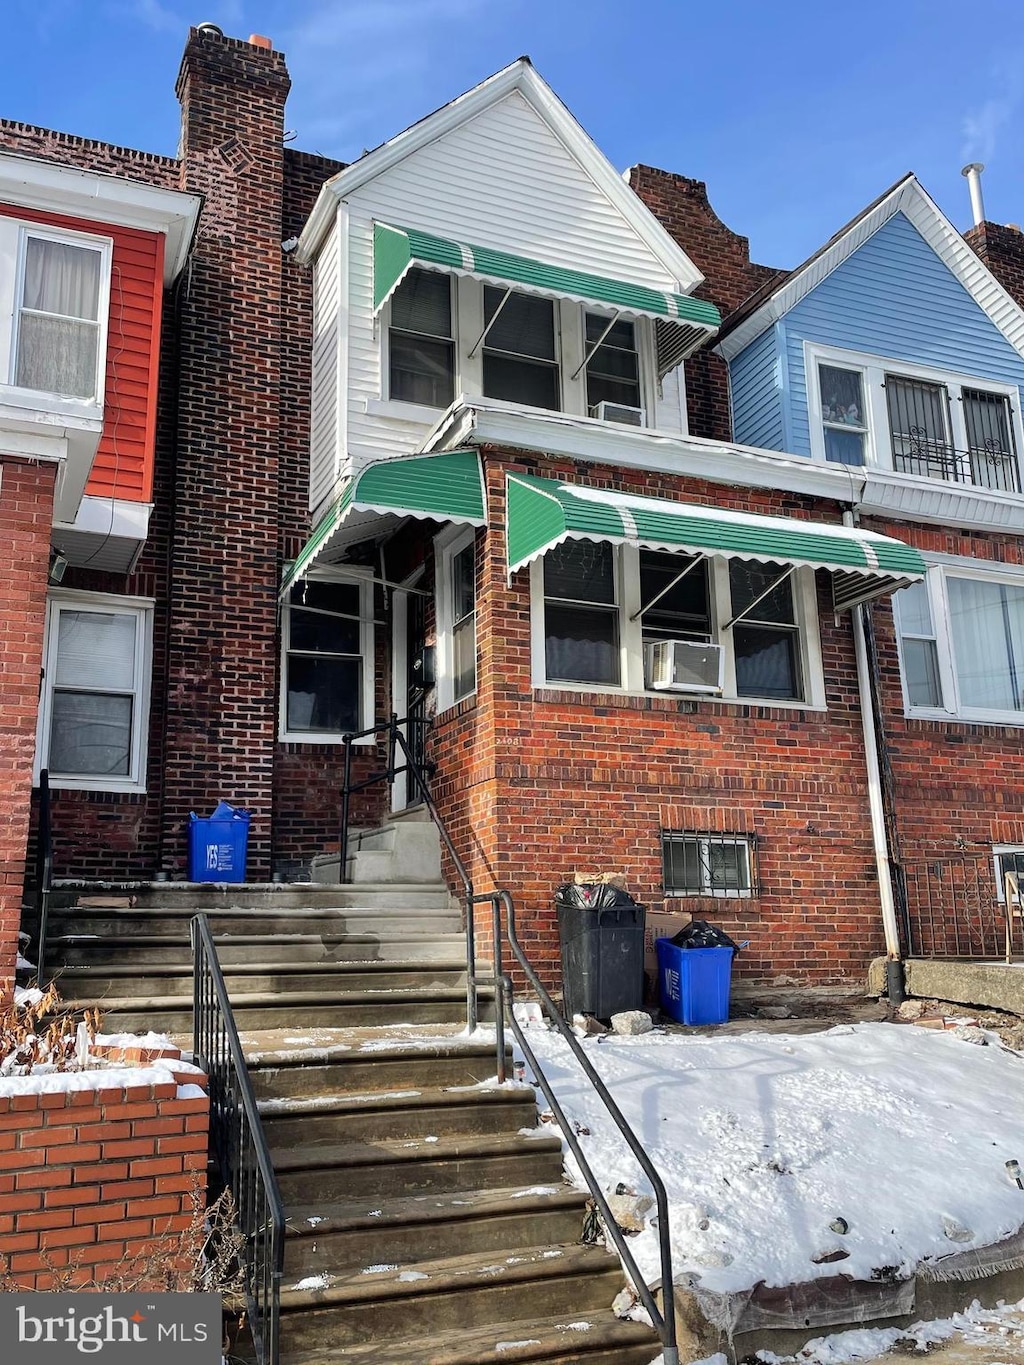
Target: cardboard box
[{"x": 661, "y": 923}]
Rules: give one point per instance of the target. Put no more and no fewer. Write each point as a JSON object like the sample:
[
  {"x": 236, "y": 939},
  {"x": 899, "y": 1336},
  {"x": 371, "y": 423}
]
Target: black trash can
[{"x": 602, "y": 940}]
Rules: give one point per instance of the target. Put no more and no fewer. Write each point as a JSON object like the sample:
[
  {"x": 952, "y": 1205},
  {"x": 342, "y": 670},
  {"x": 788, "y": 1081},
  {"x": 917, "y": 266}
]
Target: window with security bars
[
  {"x": 990, "y": 448},
  {"x": 420, "y": 340},
  {"x": 919, "y": 427},
  {"x": 704, "y": 863}
]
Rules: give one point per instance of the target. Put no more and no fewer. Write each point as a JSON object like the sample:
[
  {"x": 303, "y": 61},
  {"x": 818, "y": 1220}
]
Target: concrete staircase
[{"x": 428, "y": 1222}]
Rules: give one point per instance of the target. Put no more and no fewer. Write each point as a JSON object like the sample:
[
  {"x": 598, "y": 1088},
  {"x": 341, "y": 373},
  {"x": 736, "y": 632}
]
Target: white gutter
[{"x": 879, "y": 839}]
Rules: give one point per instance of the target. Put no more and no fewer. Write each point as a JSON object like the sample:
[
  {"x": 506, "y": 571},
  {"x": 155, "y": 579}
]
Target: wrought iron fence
[
  {"x": 42, "y": 877},
  {"x": 239, "y": 1144},
  {"x": 961, "y": 905}
]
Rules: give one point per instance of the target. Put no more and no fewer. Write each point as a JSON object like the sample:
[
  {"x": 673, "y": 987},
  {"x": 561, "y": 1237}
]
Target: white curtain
[
  {"x": 987, "y": 621},
  {"x": 58, "y": 331}
]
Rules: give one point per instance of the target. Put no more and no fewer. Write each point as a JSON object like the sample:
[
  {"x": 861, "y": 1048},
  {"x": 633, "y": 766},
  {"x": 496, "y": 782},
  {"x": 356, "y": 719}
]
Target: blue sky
[{"x": 797, "y": 114}]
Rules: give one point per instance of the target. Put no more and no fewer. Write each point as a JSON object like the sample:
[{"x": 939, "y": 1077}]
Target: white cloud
[{"x": 983, "y": 124}]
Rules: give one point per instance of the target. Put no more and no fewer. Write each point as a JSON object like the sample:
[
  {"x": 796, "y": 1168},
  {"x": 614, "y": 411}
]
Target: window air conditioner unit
[
  {"x": 684, "y": 666},
  {"x": 618, "y": 412}
]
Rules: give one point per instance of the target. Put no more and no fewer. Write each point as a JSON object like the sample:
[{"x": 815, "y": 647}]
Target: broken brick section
[{"x": 94, "y": 1179}]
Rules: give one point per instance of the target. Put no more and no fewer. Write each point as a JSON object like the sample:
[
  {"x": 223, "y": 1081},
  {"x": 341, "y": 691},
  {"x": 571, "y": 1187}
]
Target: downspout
[{"x": 894, "y": 978}]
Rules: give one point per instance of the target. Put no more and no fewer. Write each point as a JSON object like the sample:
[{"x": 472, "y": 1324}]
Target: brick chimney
[
  {"x": 222, "y": 651},
  {"x": 723, "y": 257},
  {"x": 1001, "y": 247}
]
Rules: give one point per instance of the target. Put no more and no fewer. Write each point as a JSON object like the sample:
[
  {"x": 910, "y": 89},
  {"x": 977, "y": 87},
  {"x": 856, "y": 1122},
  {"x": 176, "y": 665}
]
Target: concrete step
[
  {"x": 353, "y": 1233},
  {"x": 396, "y": 1168},
  {"x": 301, "y": 1009},
  {"x": 328, "y": 979},
  {"x": 591, "y": 1338},
  {"x": 454, "y": 1295},
  {"x": 364, "y": 1061},
  {"x": 145, "y": 949},
  {"x": 187, "y": 897},
  {"x": 374, "y": 1117},
  {"x": 408, "y": 918}
]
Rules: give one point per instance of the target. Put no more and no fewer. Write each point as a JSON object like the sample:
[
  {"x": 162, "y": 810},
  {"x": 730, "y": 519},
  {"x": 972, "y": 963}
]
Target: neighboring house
[
  {"x": 895, "y": 355},
  {"x": 85, "y": 258},
  {"x": 443, "y": 433}
]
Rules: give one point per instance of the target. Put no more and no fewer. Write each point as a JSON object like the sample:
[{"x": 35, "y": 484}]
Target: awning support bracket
[
  {"x": 493, "y": 319},
  {"x": 744, "y": 614},
  {"x": 589, "y": 354},
  {"x": 698, "y": 559}
]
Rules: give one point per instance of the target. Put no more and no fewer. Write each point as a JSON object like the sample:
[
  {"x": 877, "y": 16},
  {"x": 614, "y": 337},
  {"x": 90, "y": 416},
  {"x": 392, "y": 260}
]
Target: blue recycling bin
[
  {"x": 693, "y": 983},
  {"x": 217, "y": 846}
]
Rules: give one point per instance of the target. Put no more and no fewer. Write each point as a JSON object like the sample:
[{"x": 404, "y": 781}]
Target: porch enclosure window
[
  {"x": 613, "y": 369},
  {"x": 766, "y": 640},
  {"x": 586, "y": 623},
  {"x": 962, "y": 644},
  {"x": 520, "y": 355},
  {"x": 581, "y": 616},
  {"x": 843, "y": 415},
  {"x": 95, "y": 692},
  {"x": 707, "y": 864},
  {"x": 463, "y": 614},
  {"x": 323, "y": 672},
  {"x": 57, "y": 347},
  {"x": 421, "y": 347}
]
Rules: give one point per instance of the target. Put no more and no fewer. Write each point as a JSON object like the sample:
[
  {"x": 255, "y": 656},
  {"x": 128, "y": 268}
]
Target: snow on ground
[{"x": 764, "y": 1140}]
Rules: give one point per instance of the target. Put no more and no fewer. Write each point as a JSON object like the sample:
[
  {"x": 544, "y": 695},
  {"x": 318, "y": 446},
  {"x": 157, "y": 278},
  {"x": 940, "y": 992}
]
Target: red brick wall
[
  {"x": 723, "y": 257},
  {"x": 538, "y": 782},
  {"x": 1001, "y": 247},
  {"x": 90, "y": 1177},
  {"x": 26, "y": 515}
]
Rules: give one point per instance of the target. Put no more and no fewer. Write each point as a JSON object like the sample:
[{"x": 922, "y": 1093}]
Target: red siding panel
[{"x": 123, "y": 467}]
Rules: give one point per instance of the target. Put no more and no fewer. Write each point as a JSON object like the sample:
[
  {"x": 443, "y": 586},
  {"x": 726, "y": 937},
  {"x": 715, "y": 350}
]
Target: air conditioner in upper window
[
  {"x": 684, "y": 666},
  {"x": 619, "y": 412}
]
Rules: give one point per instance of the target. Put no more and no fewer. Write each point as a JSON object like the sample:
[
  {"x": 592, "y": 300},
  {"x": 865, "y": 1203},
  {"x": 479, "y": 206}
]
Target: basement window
[{"x": 704, "y": 863}]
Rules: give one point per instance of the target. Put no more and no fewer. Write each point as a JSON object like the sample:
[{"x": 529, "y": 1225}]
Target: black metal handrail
[
  {"x": 663, "y": 1319},
  {"x": 43, "y": 874},
  {"x": 239, "y": 1144}
]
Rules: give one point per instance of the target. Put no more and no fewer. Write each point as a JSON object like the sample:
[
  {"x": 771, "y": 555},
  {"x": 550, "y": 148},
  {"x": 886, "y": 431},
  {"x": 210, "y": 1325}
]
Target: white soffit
[
  {"x": 910, "y": 198},
  {"x": 51, "y": 188},
  {"x": 520, "y": 76}
]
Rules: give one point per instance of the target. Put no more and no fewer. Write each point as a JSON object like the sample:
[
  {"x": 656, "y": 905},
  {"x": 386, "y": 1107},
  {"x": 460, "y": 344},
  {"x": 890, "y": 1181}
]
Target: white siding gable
[{"x": 504, "y": 179}]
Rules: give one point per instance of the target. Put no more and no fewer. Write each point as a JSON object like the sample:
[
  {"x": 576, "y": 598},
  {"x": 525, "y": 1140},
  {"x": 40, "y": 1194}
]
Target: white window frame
[
  {"x": 631, "y": 661},
  {"x": 570, "y": 349},
  {"x": 940, "y": 568},
  {"x": 364, "y": 581},
  {"x": 705, "y": 841},
  {"x": 873, "y": 370},
  {"x": 141, "y": 609},
  {"x": 451, "y": 542},
  {"x": 14, "y": 237},
  {"x": 998, "y": 851}
]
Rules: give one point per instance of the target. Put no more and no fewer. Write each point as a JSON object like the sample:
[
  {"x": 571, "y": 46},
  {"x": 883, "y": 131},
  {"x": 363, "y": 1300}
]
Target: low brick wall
[{"x": 91, "y": 1178}]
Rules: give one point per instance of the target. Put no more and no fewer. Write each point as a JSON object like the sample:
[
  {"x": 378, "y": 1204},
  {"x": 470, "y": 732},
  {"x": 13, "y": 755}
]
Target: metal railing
[
  {"x": 43, "y": 875},
  {"x": 959, "y": 906},
  {"x": 239, "y": 1144},
  {"x": 663, "y": 1318}
]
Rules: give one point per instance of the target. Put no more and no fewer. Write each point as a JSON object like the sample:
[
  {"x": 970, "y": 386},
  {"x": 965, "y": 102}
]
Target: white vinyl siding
[{"x": 324, "y": 436}]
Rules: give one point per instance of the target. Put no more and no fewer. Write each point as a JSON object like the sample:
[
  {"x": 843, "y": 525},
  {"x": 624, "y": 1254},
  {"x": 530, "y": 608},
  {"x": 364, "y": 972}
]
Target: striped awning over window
[
  {"x": 444, "y": 487},
  {"x": 683, "y": 323},
  {"x": 541, "y": 513}
]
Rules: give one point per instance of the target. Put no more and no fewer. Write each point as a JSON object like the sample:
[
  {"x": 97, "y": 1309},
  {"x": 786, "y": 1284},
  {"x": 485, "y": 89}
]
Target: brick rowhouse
[{"x": 26, "y": 515}]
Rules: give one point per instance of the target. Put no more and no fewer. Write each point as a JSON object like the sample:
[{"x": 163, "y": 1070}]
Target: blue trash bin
[
  {"x": 693, "y": 983},
  {"x": 217, "y": 846}
]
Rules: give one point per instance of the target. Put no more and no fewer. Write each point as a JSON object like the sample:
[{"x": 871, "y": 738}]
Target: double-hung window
[
  {"x": 604, "y": 607},
  {"x": 421, "y": 346},
  {"x": 456, "y": 616},
  {"x": 869, "y": 410},
  {"x": 96, "y": 692},
  {"x": 613, "y": 365},
  {"x": 961, "y": 637},
  {"x": 327, "y": 642},
  {"x": 520, "y": 350},
  {"x": 59, "y": 323}
]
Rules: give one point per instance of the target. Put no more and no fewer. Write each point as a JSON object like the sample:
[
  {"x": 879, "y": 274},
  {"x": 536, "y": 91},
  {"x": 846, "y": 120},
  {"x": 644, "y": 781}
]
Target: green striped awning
[
  {"x": 684, "y": 322},
  {"x": 541, "y": 513},
  {"x": 444, "y": 487}
]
